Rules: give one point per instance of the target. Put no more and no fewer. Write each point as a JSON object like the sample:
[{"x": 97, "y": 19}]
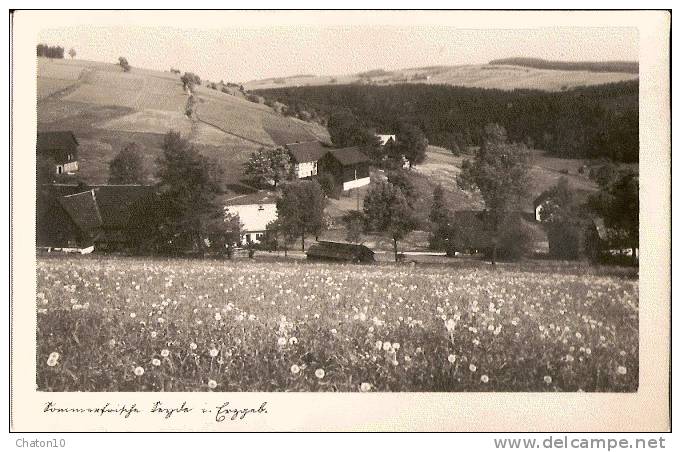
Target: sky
[{"x": 240, "y": 54}]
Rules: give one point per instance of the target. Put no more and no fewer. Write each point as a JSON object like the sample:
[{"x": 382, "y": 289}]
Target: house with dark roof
[
  {"x": 305, "y": 156},
  {"x": 349, "y": 167},
  {"x": 61, "y": 147},
  {"x": 255, "y": 211},
  {"x": 84, "y": 218},
  {"x": 340, "y": 252}
]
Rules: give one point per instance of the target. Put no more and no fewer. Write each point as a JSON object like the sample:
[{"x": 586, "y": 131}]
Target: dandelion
[
  {"x": 139, "y": 371},
  {"x": 193, "y": 346},
  {"x": 295, "y": 369},
  {"x": 112, "y": 343},
  {"x": 365, "y": 387},
  {"x": 156, "y": 362},
  {"x": 281, "y": 341},
  {"x": 213, "y": 352},
  {"x": 165, "y": 352},
  {"x": 379, "y": 345},
  {"x": 548, "y": 379},
  {"x": 451, "y": 358},
  {"x": 484, "y": 379},
  {"x": 319, "y": 373},
  {"x": 154, "y": 334},
  {"x": 396, "y": 345},
  {"x": 293, "y": 340},
  {"x": 218, "y": 317},
  {"x": 386, "y": 346},
  {"x": 621, "y": 370},
  {"x": 54, "y": 356},
  {"x": 472, "y": 368},
  {"x": 212, "y": 384}
]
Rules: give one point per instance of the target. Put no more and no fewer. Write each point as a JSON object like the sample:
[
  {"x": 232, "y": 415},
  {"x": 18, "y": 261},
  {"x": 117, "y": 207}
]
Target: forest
[
  {"x": 630, "y": 67},
  {"x": 586, "y": 122}
]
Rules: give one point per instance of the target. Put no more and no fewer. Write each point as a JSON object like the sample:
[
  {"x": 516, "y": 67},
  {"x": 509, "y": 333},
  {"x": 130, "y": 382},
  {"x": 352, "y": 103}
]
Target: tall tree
[
  {"x": 189, "y": 183},
  {"x": 269, "y": 166},
  {"x": 300, "y": 209},
  {"x": 439, "y": 220},
  {"x": 499, "y": 173},
  {"x": 128, "y": 166},
  {"x": 123, "y": 62},
  {"x": 388, "y": 212},
  {"x": 346, "y": 130},
  {"x": 412, "y": 143},
  {"x": 562, "y": 217}
]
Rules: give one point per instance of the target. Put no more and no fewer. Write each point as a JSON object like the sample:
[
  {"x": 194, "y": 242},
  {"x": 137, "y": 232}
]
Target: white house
[
  {"x": 305, "y": 157},
  {"x": 255, "y": 211},
  {"x": 385, "y": 138}
]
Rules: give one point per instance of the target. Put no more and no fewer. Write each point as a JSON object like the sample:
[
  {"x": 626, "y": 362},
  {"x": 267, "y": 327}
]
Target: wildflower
[
  {"x": 139, "y": 371},
  {"x": 365, "y": 387},
  {"x": 156, "y": 362},
  {"x": 218, "y": 317},
  {"x": 193, "y": 346},
  {"x": 379, "y": 345},
  {"x": 213, "y": 352},
  {"x": 281, "y": 341},
  {"x": 54, "y": 356},
  {"x": 451, "y": 358},
  {"x": 548, "y": 379},
  {"x": 160, "y": 320},
  {"x": 396, "y": 345},
  {"x": 334, "y": 331},
  {"x": 319, "y": 373},
  {"x": 154, "y": 334},
  {"x": 293, "y": 340},
  {"x": 295, "y": 369},
  {"x": 472, "y": 367},
  {"x": 112, "y": 343},
  {"x": 484, "y": 379},
  {"x": 621, "y": 370},
  {"x": 212, "y": 384},
  {"x": 387, "y": 346},
  {"x": 165, "y": 352}
]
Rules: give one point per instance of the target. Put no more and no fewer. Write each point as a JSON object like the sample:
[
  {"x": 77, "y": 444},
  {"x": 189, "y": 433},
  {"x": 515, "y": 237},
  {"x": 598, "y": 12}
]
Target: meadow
[{"x": 129, "y": 324}]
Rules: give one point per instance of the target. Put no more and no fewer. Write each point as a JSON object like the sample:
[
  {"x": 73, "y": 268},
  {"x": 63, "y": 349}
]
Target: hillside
[
  {"x": 497, "y": 76},
  {"x": 107, "y": 108}
]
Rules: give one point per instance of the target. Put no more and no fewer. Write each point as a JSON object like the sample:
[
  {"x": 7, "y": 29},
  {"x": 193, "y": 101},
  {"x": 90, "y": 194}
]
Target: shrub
[
  {"x": 515, "y": 242},
  {"x": 565, "y": 240}
]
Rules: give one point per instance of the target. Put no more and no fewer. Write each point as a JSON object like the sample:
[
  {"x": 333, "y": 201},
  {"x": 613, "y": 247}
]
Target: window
[{"x": 259, "y": 236}]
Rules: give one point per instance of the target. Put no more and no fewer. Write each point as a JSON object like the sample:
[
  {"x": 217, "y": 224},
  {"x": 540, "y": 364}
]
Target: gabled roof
[
  {"x": 309, "y": 151},
  {"x": 348, "y": 156},
  {"x": 115, "y": 202},
  {"x": 260, "y": 197},
  {"x": 83, "y": 210},
  {"x": 47, "y": 141}
]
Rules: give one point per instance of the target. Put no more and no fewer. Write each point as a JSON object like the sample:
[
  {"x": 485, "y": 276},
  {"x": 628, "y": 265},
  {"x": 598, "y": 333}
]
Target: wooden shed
[{"x": 340, "y": 252}]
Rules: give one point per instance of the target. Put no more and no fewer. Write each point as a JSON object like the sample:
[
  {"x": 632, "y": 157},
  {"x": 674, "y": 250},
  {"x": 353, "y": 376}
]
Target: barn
[
  {"x": 340, "y": 252},
  {"x": 61, "y": 147},
  {"x": 305, "y": 156},
  {"x": 349, "y": 167}
]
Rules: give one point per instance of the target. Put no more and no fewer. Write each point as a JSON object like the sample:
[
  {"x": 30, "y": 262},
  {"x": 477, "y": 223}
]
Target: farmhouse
[
  {"x": 340, "y": 251},
  {"x": 61, "y": 147},
  {"x": 305, "y": 157},
  {"x": 255, "y": 211},
  {"x": 349, "y": 167},
  {"x": 81, "y": 218},
  {"x": 385, "y": 138}
]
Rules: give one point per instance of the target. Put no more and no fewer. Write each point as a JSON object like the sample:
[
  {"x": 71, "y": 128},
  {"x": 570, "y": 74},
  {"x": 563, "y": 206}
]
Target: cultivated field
[
  {"x": 124, "y": 324},
  {"x": 504, "y": 77}
]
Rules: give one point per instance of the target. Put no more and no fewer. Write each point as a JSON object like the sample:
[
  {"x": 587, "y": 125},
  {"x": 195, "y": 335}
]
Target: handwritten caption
[{"x": 221, "y": 413}]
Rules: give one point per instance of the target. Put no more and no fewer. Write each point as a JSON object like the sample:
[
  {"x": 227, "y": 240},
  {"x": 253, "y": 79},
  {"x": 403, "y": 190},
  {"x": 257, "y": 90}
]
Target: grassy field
[
  {"x": 504, "y": 77},
  {"x": 126, "y": 324}
]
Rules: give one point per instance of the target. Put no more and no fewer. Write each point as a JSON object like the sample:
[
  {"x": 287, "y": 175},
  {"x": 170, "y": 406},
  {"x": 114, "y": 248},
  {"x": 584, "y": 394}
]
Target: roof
[
  {"x": 349, "y": 156},
  {"x": 83, "y": 210},
  {"x": 115, "y": 202},
  {"x": 309, "y": 151},
  {"x": 340, "y": 251},
  {"x": 260, "y": 197},
  {"x": 47, "y": 141}
]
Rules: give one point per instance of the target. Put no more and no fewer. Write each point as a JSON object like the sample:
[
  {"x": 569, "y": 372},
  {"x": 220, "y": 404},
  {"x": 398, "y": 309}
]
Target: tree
[
  {"x": 189, "y": 80},
  {"x": 563, "y": 220},
  {"x": 399, "y": 178},
  {"x": 388, "y": 212},
  {"x": 355, "y": 225},
  {"x": 499, "y": 173},
  {"x": 187, "y": 212},
  {"x": 269, "y": 166},
  {"x": 439, "y": 220},
  {"x": 72, "y": 53},
  {"x": 412, "y": 143},
  {"x": 128, "y": 166},
  {"x": 345, "y": 130},
  {"x": 123, "y": 62},
  {"x": 300, "y": 209}
]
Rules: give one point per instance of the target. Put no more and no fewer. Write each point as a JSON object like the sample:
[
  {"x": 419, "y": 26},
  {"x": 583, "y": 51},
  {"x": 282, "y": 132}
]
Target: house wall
[
  {"x": 254, "y": 218},
  {"x": 356, "y": 183},
  {"x": 306, "y": 169},
  {"x": 537, "y": 212}
]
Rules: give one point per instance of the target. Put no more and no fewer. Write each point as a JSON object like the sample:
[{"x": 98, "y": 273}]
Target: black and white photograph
[{"x": 338, "y": 207}]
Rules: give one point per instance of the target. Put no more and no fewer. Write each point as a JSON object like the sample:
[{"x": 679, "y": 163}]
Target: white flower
[
  {"x": 365, "y": 387},
  {"x": 54, "y": 356},
  {"x": 293, "y": 340},
  {"x": 396, "y": 345},
  {"x": 472, "y": 368},
  {"x": 484, "y": 379},
  {"x": 387, "y": 346},
  {"x": 621, "y": 370},
  {"x": 379, "y": 345},
  {"x": 156, "y": 362},
  {"x": 450, "y": 325},
  {"x": 165, "y": 352},
  {"x": 192, "y": 346},
  {"x": 451, "y": 358},
  {"x": 139, "y": 371},
  {"x": 295, "y": 369},
  {"x": 212, "y": 384},
  {"x": 154, "y": 334},
  {"x": 218, "y": 317},
  {"x": 548, "y": 379},
  {"x": 281, "y": 341},
  {"x": 319, "y": 373},
  {"x": 213, "y": 352}
]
